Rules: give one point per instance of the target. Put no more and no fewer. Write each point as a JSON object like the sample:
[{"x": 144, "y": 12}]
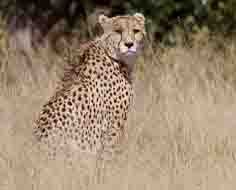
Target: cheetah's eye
[
  {"x": 119, "y": 31},
  {"x": 136, "y": 31}
]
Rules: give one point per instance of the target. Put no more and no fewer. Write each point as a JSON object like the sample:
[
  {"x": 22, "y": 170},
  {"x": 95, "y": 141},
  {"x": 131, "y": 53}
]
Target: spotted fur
[{"x": 89, "y": 110}]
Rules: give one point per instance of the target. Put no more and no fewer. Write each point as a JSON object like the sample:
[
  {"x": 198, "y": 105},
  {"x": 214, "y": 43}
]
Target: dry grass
[{"x": 182, "y": 131}]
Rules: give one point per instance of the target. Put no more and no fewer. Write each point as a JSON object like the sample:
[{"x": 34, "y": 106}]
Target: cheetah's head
[{"x": 123, "y": 35}]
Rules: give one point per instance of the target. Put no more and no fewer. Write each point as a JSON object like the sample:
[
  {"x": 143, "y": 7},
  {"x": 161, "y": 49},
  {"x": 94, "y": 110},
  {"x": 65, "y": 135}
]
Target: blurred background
[
  {"x": 57, "y": 18},
  {"x": 181, "y": 133}
]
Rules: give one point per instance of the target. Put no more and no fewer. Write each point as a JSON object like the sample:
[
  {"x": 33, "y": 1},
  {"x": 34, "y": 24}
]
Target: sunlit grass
[{"x": 181, "y": 133}]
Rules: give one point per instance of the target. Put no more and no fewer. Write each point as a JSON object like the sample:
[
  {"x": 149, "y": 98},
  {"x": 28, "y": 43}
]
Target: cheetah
[{"x": 89, "y": 110}]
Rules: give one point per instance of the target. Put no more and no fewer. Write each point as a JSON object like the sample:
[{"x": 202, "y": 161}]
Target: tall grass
[{"x": 181, "y": 132}]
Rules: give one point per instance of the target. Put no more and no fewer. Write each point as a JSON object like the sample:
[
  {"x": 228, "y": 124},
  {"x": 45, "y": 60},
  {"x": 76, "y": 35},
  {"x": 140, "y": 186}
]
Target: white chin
[{"x": 130, "y": 53}]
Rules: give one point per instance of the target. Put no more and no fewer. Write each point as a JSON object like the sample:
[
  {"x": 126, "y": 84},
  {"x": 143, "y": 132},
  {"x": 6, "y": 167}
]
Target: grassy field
[{"x": 181, "y": 133}]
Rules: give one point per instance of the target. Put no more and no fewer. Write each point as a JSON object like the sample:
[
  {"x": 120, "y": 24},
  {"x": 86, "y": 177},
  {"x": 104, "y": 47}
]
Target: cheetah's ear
[
  {"x": 102, "y": 19},
  {"x": 140, "y": 17}
]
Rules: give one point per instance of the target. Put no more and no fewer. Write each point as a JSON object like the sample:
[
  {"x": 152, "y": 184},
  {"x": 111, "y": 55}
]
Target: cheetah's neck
[{"x": 125, "y": 67}]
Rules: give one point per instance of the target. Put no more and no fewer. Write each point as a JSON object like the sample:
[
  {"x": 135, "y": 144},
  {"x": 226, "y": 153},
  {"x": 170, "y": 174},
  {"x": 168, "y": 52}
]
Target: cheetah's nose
[{"x": 129, "y": 44}]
